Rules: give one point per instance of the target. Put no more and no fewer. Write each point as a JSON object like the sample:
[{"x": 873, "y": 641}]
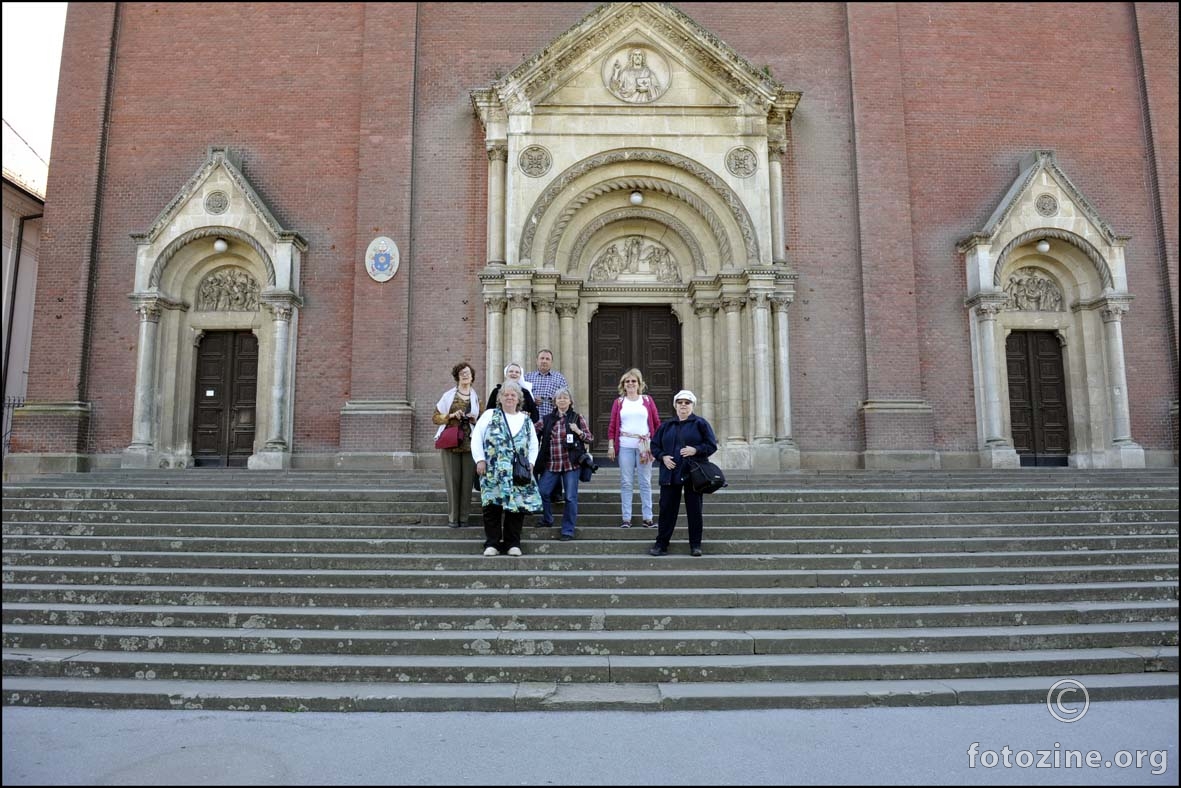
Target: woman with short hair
[
  {"x": 682, "y": 437},
  {"x": 459, "y": 405},
  {"x": 564, "y": 438},
  {"x": 499, "y": 434}
]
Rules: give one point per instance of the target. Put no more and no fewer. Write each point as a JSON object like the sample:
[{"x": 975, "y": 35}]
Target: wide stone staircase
[{"x": 333, "y": 591}]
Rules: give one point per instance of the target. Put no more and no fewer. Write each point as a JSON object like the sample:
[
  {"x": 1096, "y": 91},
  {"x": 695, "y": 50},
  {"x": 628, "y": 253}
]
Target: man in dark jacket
[{"x": 683, "y": 436}]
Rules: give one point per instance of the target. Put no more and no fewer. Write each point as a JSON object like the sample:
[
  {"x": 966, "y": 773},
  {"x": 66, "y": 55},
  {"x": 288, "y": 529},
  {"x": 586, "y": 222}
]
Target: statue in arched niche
[{"x": 1031, "y": 290}]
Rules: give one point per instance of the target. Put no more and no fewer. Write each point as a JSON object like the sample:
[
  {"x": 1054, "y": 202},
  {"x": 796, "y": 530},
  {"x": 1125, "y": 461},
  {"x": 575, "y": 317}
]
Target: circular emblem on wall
[
  {"x": 382, "y": 259},
  {"x": 1046, "y": 204},
  {"x": 742, "y": 161},
  {"x": 535, "y": 161},
  {"x": 217, "y": 202},
  {"x": 636, "y": 74}
]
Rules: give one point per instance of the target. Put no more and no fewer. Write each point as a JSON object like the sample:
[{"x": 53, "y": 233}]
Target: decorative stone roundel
[
  {"x": 636, "y": 74},
  {"x": 535, "y": 161},
  {"x": 1046, "y": 205},
  {"x": 217, "y": 202},
  {"x": 741, "y": 161}
]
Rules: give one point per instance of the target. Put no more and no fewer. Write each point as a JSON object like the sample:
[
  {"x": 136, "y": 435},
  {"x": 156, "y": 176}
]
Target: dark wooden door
[
  {"x": 223, "y": 411},
  {"x": 621, "y": 337},
  {"x": 1037, "y": 398}
]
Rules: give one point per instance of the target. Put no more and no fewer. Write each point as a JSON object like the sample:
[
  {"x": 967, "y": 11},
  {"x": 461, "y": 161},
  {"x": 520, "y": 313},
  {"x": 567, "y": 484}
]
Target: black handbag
[
  {"x": 704, "y": 477},
  {"x": 522, "y": 473}
]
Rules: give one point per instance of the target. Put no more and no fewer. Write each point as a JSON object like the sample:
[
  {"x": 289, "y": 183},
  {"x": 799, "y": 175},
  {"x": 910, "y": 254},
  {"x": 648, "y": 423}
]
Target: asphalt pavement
[{"x": 1133, "y": 743}]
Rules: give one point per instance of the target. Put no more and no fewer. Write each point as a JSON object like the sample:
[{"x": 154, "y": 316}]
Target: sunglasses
[{"x": 683, "y": 402}]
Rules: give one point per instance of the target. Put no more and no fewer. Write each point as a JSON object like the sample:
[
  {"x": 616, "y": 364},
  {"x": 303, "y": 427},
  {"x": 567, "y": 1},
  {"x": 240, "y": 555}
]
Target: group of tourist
[{"x": 528, "y": 446}]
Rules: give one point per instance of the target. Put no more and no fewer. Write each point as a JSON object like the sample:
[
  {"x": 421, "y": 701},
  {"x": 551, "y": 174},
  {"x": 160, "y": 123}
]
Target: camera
[{"x": 586, "y": 467}]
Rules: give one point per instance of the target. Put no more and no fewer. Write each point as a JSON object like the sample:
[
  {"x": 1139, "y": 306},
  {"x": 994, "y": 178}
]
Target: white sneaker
[
  {"x": 514, "y": 551},
  {"x": 491, "y": 551}
]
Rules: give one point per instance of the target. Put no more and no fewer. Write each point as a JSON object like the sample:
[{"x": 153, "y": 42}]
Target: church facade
[{"x": 866, "y": 235}]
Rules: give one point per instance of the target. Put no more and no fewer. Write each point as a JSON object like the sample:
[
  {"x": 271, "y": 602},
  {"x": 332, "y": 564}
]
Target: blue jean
[
  {"x": 629, "y": 464},
  {"x": 549, "y": 480}
]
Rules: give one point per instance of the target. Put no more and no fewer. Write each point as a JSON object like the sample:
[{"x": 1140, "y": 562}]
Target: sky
[{"x": 32, "y": 48}]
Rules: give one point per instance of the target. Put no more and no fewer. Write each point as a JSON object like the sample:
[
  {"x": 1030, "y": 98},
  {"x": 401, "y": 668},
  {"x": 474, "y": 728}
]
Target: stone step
[
  {"x": 552, "y": 696},
  {"x": 492, "y": 642},
  {"x": 503, "y": 573},
  {"x": 712, "y": 516},
  {"x": 584, "y": 619},
  {"x": 581, "y": 556},
  {"x": 843, "y": 533},
  {"x": 587, "y": 504},
  {"x": 69, "y": 663},
  {"x": 671, "y": 598},
  {"x": 454, "y": 541}
]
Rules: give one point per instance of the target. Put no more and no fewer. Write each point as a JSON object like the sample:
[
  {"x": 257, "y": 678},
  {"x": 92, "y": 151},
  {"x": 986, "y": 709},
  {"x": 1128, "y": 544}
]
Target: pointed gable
[{"x": 637, "y": 54}]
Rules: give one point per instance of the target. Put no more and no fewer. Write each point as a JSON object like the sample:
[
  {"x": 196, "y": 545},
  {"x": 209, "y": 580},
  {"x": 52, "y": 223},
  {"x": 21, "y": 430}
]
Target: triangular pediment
[
  {"x": 217, "y": 191},
  {"x": 647, "y": 55},
  {"x": 1043, "y": 196}
]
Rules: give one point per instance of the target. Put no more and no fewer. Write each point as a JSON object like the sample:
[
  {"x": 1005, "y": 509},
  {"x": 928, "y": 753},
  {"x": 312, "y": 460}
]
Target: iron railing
[{"x": 10, "y": 404}]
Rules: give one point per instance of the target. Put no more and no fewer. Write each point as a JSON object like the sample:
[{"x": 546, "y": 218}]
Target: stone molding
[{"x": 1083, "y": 244}]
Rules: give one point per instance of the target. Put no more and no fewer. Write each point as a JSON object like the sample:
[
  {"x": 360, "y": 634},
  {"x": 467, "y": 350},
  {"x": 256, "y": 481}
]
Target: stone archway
[{"x": 214, "y": 260}]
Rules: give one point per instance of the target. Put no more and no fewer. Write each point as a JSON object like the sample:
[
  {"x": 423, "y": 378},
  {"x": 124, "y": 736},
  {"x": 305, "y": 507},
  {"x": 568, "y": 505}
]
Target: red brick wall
[{"x": 317, "y": 101}]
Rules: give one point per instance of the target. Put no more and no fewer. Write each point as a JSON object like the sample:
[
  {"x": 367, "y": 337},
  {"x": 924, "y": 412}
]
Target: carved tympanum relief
[
  {"x": 636, "y": 74},
  {"x": 1031, "y": 290},
  {"x": 634, "y": 255},
  {"x": 228, "y": 289}
]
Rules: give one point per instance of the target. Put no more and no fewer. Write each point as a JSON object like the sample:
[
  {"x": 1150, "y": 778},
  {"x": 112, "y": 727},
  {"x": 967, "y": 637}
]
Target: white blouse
[
  {"x": 633, "y": 418},
  {"x": 515, "y": 423}
]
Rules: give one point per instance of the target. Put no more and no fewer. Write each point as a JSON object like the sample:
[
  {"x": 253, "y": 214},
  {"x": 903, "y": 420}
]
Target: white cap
[{"x": 685, "y": 394}]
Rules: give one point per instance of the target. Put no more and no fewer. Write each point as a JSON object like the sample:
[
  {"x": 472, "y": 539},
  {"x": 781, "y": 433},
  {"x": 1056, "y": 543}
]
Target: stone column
[
  {"x": 734, "y": 377},
  {"x": 281, "y": 322},
  {"x": 494, "y": 311},
  {"x": 986, "y": 313},
  {"x": 544, "y": 307},
  {"x": 782, "y": 371},
  {"x": 775, "y": 151},
  {"x": 143, "y": 425},
  {"x": 1117, "y": 376},
  {"x": 762, "y": 360},
  {"x": 567, "y": 311},
  {"x": 497, "y": 159},
  {"x": 705, "y": 321},
  {"x": 518, "y": 327}
]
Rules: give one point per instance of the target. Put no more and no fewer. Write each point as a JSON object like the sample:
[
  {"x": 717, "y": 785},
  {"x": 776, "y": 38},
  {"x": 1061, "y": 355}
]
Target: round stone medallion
[
  {"x": 1046, "y": 205},
  {"x": 217, "y": 202},
  {"x": 535, "y": 161}
]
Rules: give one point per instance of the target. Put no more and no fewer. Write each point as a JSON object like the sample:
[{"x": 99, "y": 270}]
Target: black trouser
[
  {"x": 670, "y": 509},
  {"x": 502, "y": 529}
]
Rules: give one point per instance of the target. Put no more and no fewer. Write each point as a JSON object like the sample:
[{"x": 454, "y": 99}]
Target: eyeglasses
[{"x": 684, "y": 402}]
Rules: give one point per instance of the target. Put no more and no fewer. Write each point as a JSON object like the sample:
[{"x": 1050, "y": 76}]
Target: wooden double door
[
  {"x": 1037, "y": 398},
  {"x": 621, "y": 337},
  {"x": 224, "y": 401}
]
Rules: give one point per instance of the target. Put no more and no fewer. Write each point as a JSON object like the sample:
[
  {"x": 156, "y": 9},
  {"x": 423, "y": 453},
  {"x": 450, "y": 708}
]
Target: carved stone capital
[
  {"x": 733, "y": 304},
  {"x": 543, "y": 304},
  {"x": 149, "y": 312},
  {"x": 496, "y": 304},
  {"x": 279, "y": 310},
  {"x": 705, "y": 308},
  {"x": 988, "y": 305},
  {"x": 519, "y": 300},
  {"x": 780, "y": 302},
  {"x": 776, "y": 149},
  {"x": 760, "y": 300},
  {"x": 497, "y": 151},
  {"x": 567, "y": 309},
  {"x": 1114, "y": 311}
]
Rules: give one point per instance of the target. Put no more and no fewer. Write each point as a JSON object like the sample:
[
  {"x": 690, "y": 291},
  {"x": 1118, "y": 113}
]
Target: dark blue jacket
[{"x": 675, "y": 435}]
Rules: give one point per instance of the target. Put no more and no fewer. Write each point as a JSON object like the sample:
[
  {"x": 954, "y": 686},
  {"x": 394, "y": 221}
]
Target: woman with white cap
[{"x": 683, "y": 436}]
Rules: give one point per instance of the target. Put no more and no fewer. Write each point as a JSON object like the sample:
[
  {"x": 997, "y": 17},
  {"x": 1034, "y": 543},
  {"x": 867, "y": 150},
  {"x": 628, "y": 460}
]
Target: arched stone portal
[
  {"x": 670, "y": 194},
  {"x": 214, "y": 260}
]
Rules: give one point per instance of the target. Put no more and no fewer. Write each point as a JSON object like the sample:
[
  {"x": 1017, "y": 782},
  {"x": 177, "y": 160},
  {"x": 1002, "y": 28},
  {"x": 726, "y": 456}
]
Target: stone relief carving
[
  {"x": 636, "y": 74},
  {"x": 1046, "y": 205},
  {"x": 1031, "y": 290},
  {"x": 639, "y": 256},
  {"x": 535, "y": 161},
  {"x": 741, "y": 161},
  {"x": 217, "y": 202},
  {"x": 228, "y": 289}
]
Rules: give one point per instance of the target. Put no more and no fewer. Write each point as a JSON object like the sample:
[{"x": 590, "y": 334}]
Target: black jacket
[
  {"x": 576, "y": 449},
  {"x": 675, "y": 435}
]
